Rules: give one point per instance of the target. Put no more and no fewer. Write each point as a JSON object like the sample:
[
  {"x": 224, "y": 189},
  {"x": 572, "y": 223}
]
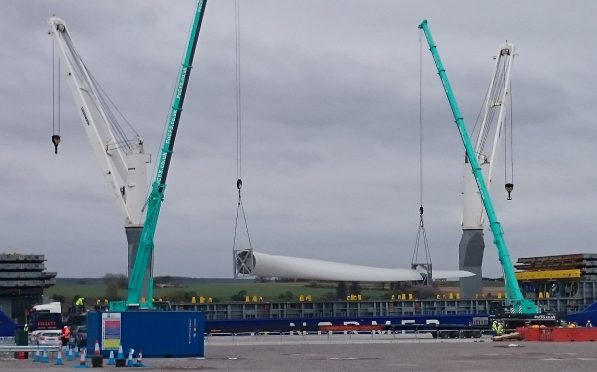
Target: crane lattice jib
[
  {"x": 156, "y": 196},
  {"x": 515, "y": 297}
]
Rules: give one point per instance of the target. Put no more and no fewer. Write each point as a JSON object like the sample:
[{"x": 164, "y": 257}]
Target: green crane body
[
  {"x": 514, "y": 295},
  {"x": 156, "y": 197}
]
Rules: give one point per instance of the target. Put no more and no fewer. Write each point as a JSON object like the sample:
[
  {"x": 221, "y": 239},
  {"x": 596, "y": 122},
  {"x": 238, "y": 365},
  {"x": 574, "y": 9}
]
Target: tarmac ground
[{"x": 363, "y": 353}]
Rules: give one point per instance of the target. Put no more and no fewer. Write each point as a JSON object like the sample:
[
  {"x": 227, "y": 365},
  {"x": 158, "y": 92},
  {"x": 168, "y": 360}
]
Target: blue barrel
[{"x": 159, "y": 334}]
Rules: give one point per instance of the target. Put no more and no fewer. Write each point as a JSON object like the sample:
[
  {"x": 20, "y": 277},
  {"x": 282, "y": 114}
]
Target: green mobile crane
[
  {"x": 518, "y": 304},
  {"x": 156, "y": 197}
]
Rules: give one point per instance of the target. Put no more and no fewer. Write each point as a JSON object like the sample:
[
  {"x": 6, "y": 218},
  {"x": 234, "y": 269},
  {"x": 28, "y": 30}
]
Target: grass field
[{"x": 219, "y": 291}]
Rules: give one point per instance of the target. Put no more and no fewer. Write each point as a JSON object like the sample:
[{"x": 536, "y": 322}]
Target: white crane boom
[
  {"x": 122, "y": 161},
  {"x": 123, "y": 165},
  {"x": 497, "y": 97},
  {"x": 473, "y": 214}
]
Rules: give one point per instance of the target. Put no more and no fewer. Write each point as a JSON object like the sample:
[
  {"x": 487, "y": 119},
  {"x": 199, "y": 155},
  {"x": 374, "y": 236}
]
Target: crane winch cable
[
  {"x": 492, "y": 97},
  {"x": 238, "y": 90},
  {"x": 421, "y": 240},
  {"x": 55, "y": 135},
  {"x": 122, "y": 139},
  {"x": 240, "y": 209},
  {"x": 99, "y": 98},
  {"x": 509, "y": 182}
]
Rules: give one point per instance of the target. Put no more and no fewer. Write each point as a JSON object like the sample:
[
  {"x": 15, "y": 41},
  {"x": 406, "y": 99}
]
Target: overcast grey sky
[{"x": 330, "y": 122}]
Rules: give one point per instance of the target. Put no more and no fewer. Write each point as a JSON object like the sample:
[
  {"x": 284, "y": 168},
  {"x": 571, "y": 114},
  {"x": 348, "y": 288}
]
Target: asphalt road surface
[{"x": 364, "y": 353}]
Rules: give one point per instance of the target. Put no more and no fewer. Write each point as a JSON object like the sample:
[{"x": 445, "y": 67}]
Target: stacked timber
[{"x": 24, "y": 274}]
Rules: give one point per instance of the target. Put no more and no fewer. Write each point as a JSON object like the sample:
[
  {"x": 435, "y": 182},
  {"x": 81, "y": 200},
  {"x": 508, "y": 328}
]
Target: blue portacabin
[{"x": 157, "y": 334}]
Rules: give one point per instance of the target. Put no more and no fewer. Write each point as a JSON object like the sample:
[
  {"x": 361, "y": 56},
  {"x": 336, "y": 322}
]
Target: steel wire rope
[
  {"x": 238, "y": 90},
  {"x": 421, "y": 232},
  {"x": 496, "y": 90},
  {"x": 102, "y": 99},
  {"x": 489, "y": 93},
  {"x": 420, "y": 123},
  {"x": 108, "y": 104},
  {"x": 240, "y": 207},
  {"x": 102, "y": 103},
  {"x": 117, "y": 130},
  {"x": 59, "y": 103},
  {"x": 478, "y": 116},
  {"x": 53, "y": 87},
  {"x": 506, "y": 152},
  {"x": 511, "y": 137},
  {"x": 103, "y": 92},
  {"x": 55, "y": 75}
]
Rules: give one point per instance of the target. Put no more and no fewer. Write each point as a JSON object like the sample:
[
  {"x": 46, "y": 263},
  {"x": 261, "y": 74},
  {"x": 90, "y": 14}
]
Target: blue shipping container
[
  {"x": 159, "y": 334},
  {"x": 7, "y": 326}
]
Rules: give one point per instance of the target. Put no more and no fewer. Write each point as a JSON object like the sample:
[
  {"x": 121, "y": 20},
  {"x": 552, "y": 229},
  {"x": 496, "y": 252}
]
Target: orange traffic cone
[{"x": 97, "y": 361}]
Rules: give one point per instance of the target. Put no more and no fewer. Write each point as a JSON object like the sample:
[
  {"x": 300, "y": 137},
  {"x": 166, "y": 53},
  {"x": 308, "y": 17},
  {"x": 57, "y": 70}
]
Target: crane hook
[
  {"x": 56, "y": 142},
  {"x": 509, "y": 188}
]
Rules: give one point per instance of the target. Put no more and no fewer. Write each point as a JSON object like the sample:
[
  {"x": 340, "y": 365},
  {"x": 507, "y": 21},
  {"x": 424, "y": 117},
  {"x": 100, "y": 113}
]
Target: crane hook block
[
  {"x": 239, "y": 183},
  {"x": 509, "y": 188},
  {"x": 56, "y": 142}
]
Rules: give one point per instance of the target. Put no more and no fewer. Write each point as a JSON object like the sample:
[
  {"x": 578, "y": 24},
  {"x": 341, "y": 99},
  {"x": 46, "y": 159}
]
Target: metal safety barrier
[{"x": 11, "y": 348}]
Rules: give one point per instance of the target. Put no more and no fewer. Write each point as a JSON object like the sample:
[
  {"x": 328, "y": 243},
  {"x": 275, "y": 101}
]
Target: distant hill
[{"x": 180, "y": 279}]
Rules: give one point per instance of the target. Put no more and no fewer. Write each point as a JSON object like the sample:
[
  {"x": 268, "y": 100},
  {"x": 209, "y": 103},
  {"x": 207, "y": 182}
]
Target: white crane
[
  {"x": 472, "y": 245},
  {"x": 122, "y": 161}
]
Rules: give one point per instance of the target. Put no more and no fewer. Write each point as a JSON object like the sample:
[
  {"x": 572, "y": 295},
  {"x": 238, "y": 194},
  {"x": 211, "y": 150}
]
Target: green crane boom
[
  {"x": 156, "y": 197},
  {"x": 515, "y": 297}
]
